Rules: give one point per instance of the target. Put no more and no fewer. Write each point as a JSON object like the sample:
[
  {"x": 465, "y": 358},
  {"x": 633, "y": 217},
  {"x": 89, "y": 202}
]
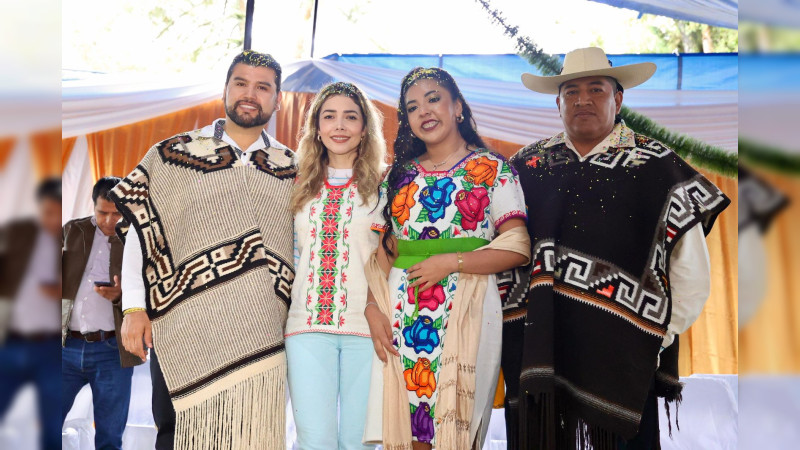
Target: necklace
[{"x": 435, "y": 165}]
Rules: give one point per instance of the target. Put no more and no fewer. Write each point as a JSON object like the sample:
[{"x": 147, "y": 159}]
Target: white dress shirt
[
  {"x": 689, "y": 267},
  {"x": 92, "y": 311}
]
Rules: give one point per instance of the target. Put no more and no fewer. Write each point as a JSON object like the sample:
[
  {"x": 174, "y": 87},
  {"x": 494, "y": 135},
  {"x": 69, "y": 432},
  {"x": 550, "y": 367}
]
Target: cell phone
[{"x": 103, "y": 284}]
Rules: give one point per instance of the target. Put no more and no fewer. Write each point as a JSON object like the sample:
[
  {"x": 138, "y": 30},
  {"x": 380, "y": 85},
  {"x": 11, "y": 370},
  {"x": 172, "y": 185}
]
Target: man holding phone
[{"x": 91, "y": 318}]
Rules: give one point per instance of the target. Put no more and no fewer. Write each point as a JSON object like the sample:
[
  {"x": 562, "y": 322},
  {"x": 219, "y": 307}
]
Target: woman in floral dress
[{"x": 447, "y": 196}]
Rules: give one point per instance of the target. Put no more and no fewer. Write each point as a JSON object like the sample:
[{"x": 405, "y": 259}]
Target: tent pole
[
  {"x": 314, "y": 27},
  {"x": 248, "y": 24}
]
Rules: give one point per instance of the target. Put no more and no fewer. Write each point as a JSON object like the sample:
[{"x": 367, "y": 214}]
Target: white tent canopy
[
  {"x": 503, "y": 110},
  {"x": 721, "y": 13}
]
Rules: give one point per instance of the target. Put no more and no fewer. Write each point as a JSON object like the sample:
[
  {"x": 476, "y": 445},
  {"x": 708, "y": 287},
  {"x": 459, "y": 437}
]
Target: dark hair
[
  {"x": 49, "y": 189},
  {"x": 103, "y": 187},
  {"x": 256, "y": 59},
  {"x": 407, "y": 146}
]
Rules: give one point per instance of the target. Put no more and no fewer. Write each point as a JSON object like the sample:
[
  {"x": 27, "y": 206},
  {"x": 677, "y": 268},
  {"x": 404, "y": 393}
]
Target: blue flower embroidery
[
  {"x": 421, "y": 335},
  {"x": 436, "y": 198}
]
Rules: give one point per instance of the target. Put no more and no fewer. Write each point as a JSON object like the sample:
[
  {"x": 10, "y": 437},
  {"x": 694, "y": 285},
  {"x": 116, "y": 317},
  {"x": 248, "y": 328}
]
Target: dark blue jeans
[
  {"x": 24, "y": 361},
  {"x": 97, "y": 363}
]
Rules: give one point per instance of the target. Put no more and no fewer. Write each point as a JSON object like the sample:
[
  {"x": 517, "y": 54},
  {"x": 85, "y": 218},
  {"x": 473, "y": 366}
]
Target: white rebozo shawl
[
  {"x": 456, "y": 382},
  {"x": 217, "y": 249}
]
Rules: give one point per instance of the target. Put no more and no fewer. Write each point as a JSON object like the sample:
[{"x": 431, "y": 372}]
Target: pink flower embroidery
[
  {"x": 329, "y": 245},
  {"x": 331, "y": 208},
  {"x": 335, "y": 195},
  {"x": 430, "y": 298},
  {"x": 326, "y": 299},
  {"x": 328, "y": 262},
  {"x": 472, "y": 205},
  {"x": 330, "y": 225},
  {"x": 325, "y": 317}
]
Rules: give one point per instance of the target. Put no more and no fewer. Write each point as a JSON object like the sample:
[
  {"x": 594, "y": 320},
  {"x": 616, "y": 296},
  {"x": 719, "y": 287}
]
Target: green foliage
[
  {"x": 697, "y": 152},
  {"x": 672, "y": 35},
  {"x": 769, "y": 157}
]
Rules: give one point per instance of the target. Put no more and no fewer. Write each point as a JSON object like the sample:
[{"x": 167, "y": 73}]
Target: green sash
[{"x": 412, "y": 252}]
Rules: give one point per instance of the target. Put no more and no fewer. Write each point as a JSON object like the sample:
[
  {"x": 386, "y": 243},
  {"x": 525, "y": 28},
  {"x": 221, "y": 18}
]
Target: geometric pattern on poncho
[
  {"x": 168, "y": 284},
  {"x": 642, "y": 301}
]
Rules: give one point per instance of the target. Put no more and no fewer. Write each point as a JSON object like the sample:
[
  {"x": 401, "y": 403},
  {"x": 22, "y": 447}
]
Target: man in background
[
  {"x": 92, "y": 352},
  {"x": 30, "y": 281}
]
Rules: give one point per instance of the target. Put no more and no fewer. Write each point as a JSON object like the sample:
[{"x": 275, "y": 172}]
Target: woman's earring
[
  {"x": 319, "y": 138},
  {"x": 460, "y": 118}
]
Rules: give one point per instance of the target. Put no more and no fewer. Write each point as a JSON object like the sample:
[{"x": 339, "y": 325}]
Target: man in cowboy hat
[{"x": 619, "y": 268}]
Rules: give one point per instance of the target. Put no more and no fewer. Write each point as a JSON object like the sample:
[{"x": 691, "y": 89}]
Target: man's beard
[{"x": 259, "y": 120}]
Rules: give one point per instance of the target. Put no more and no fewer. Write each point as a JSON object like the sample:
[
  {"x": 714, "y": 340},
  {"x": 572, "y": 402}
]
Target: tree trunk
[{"x": 708, "y": 42}]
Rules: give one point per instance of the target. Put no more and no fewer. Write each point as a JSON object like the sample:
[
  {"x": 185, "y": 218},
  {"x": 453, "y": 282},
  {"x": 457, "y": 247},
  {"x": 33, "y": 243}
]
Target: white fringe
[{"x": 247, "y": 415}]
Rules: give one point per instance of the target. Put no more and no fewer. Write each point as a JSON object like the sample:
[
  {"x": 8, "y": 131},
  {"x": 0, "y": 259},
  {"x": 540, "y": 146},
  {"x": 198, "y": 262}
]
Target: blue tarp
[{"x": 714, "y": 71}]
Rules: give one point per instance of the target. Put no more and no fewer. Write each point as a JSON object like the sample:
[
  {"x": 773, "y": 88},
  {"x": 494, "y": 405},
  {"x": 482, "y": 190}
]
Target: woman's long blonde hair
[{"x": 313, "y": 157}]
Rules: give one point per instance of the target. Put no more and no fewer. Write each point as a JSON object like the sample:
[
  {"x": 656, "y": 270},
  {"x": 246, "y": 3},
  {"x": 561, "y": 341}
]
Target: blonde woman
[{"x": 335, "y": 200}]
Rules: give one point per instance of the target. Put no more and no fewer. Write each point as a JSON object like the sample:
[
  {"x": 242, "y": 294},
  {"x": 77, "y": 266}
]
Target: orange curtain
[
  {"x": 6, "y": 146},
  {"x": 289, "y": 120},
  {"x": 711, "y": 344},
  {"x": 770, "y": 342},
  {"x": 118, "y": 150},
  {"x": 45, "y": 153},
  {"x": 66, "y": 150}
]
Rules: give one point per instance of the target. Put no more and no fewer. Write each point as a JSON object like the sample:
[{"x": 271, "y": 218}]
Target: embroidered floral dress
[{"x": 472, "y": 199}]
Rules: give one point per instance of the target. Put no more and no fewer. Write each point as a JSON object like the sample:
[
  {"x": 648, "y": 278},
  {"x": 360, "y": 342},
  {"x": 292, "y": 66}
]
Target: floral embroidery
[
  {"x": 429, "y": 233},
  {"x": 327, "y": 231},
  {"x": 422, "y": 423},
  {"x": 481, "y": 171},
  {"x": 472, "y": 205},
  {"x": 420, "y": 378},
  {"x": 407, "y": 177},
  {"x": 436, "y": 198},
  {"x": 421, "y": 335},
  {"x": 403, "y": 202},
  {"x": 430, "y": 298}
]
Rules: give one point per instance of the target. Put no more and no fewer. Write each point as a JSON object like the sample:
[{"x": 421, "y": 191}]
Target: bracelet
[
  {"x": 132, "y": 310},
  {"x": 371, "y": 303},
  {"x": 460, "y": 261}
]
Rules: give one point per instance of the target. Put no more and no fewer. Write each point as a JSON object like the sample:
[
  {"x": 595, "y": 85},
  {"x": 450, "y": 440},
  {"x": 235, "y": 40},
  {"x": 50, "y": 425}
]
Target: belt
[
  {"x": 34, "y": 337},
  {"x": 410, "y": 252},
  {"x": 92, "y": 336}
]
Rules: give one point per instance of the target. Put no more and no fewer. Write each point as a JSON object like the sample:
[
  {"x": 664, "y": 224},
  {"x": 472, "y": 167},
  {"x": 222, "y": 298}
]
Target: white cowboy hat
[{"x": 589, "y": 62}]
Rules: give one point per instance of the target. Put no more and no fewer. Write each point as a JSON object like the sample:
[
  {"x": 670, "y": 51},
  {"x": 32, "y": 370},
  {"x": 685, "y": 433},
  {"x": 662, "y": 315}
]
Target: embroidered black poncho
[{"x": 599, "y": 298}]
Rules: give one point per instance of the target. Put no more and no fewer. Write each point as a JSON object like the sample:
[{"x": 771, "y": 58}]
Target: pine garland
[
  {"x": 697, "y": 152},
  {"x": 769, "y": 157}
]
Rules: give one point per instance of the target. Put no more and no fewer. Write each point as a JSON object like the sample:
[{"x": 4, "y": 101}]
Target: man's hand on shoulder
[{"x": 137, "y": 333}]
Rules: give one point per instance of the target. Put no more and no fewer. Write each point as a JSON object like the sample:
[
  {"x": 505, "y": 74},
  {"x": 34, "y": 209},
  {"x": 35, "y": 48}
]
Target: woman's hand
[
  {"x": 380, "y": 330},
  {"x": 431, "y": 271}
]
